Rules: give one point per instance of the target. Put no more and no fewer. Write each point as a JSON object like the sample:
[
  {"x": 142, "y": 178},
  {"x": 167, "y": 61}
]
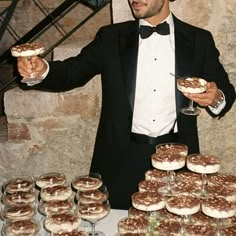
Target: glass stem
[
  {"x": 204, "y": 181},
  {"x": 218, "y": 228},
  {"x": 169, "y": 182},
  {"x": 191, "y": 105},
  {"x": 93, "y": 228}
]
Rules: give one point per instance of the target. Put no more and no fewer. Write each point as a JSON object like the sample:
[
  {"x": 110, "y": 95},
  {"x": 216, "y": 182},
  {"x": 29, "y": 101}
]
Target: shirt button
[
  {"x": 153, "y": 120},
  {"x": 154, "y": 90}
]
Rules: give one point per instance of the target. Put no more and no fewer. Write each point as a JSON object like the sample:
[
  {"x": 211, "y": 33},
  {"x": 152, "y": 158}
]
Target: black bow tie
[{"x": 146, "y": 31}]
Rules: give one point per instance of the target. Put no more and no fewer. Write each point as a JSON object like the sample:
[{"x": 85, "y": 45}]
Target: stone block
[{"x": 18, "y": 131}]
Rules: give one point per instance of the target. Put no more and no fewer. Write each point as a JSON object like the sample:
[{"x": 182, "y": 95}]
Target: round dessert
[
  {"x": 24, "y": 212},
  {"x": 164, "y": 214},
  {"x": 94, "y": 211},
  {"x": 188, "y": 176},
  {"x": 50, "y": 179},
  {"x": 205, "y": 164},
  {"x": 183, "y": 205},
  {"x": 58, "y": 192},
  {"x": 57, "y": 223},
  {"x": 168, "y": 161},
  {"x": 21, "y": 227},
  {"x": 155, "y": 175},
  {"x": 201, "y": 219},
  {"x": 220, "y": 190},
  {"x": 19, "y": 184},
  {"x": 150, "y": 186},
  {"x": 192, "y": 85},
  {"x": 135, "y": 213},
  {"x": 228, "y": 231},
  {"x": 168, "y": 227},
  {"x": 55, "y": 207},
  {"x": 148, "y": 201},
  {"x": 175, "y": 148},
  {"x": 197, "y": 230},
  {"x": 133, "y": 226},
  {"x": 92, "y": 196},
  {"x": 218, "y": 207},
  {"x": 72, "y": 233},
  {"x": 18, "y": 198},
  {"x": 183, "y": 187},
  {"x": 27, "y": 49},
  {"x": 86, "y": 182},
  {"x": 229, "y": 180}
]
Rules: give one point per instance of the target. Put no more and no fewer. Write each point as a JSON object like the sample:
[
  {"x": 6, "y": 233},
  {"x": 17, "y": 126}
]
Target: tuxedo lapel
[
  {"x": 128, "y": 54},
  {"x": 184, "y": 56}
]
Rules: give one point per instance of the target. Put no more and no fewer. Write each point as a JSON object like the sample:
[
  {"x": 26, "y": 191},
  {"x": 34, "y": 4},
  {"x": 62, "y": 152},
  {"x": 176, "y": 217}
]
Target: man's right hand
[{"x": 35, "y": 66}]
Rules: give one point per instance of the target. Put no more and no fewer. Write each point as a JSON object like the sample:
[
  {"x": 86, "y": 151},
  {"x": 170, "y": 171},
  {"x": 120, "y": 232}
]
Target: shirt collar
[{"x": 169, "y": 19}]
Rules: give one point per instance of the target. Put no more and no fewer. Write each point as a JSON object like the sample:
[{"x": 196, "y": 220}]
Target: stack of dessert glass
[
  {"x": 192, "y": 201},
  {"x": 19, "y": 206},
  {"x": 56, "y": 203},
  {"x": 92, "y": 200}
]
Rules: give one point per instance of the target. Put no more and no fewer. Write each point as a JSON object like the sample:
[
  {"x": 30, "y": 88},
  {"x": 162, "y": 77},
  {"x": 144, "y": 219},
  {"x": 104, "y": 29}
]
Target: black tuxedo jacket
[{"x": 113, "y": 54}]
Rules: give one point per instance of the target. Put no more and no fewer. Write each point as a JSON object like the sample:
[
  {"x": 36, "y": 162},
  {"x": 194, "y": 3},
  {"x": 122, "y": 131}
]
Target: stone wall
[{"x": 55, "y": 131}]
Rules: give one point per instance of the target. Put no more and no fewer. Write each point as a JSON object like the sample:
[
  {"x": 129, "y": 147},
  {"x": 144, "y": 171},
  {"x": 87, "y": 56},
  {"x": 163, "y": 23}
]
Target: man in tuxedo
[{"x": 140, "y": 101}]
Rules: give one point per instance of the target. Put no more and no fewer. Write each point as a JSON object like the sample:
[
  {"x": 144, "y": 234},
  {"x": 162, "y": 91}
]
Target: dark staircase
[{"x": 7, "y": 77}]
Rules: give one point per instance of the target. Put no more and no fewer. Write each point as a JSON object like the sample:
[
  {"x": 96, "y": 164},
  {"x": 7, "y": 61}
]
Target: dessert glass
[
  {"x": 86, "y": 182},
  {"x": 203, "y": 169},
  {"x": 170, "y": 167},
  {"x": 191, "y": 110},
  {"x": 21, "y": 183},
  {"x": 94, "y": 212},
  {"x": 29, "y": 50}
]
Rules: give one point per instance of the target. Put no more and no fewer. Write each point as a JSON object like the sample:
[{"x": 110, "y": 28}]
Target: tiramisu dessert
[
  {"x": 18, "y": 198},
  {"x": 92, "y": 196},
  {"x": 57, "y": 223},
  {"x": 18, "y": 184},
  {"x": 150, "y": 186},
  {"x": 55, "y": 207},
  {"x": 86, "y": 182},
  {"x": 189, "y": 176},
  {"x": 135, "y": 213},
  {"x": 164, "y": 214},
  {"x": 50, "y": 179},
  {"x": 192, "y": 85},
  {"x": 132, "y": 226},
  {"x": 229, "y": 180},
  {"x": 148, "y": 201},
  {"x": 221, "y": 191},
  {"x": 168, "y": 161},
  {"x": 94, "y": 211},
  {"x": 197, "y": 230},
  {"x": 24, "y": 212},
  {"x": 228, "y": 231},
  {"x": 175, "y": 148},
  {"x": 72, "y": 233},
  {"x": 201, "y": 219},
  {"x": 27, "y": 49},
  {"x": 182, "y": 187},
  {"x": 205, "y": 164},
  {"x": 168, "y": 227},
  {"x": 218, "y": 207},
  {"x": 155, "y": 175},
  {"x": 21, "y": 227},
  {"x": 58, "y": 192},
  {"x": 183, "y": 205}
]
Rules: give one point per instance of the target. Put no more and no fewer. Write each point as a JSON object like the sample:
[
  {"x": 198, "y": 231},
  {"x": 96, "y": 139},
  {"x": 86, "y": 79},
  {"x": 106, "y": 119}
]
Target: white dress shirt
[{"x": 155, "y": 105}]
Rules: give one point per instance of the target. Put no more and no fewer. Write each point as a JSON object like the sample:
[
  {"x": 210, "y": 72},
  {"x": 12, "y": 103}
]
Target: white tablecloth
[{"x": 109, "y": 224}]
